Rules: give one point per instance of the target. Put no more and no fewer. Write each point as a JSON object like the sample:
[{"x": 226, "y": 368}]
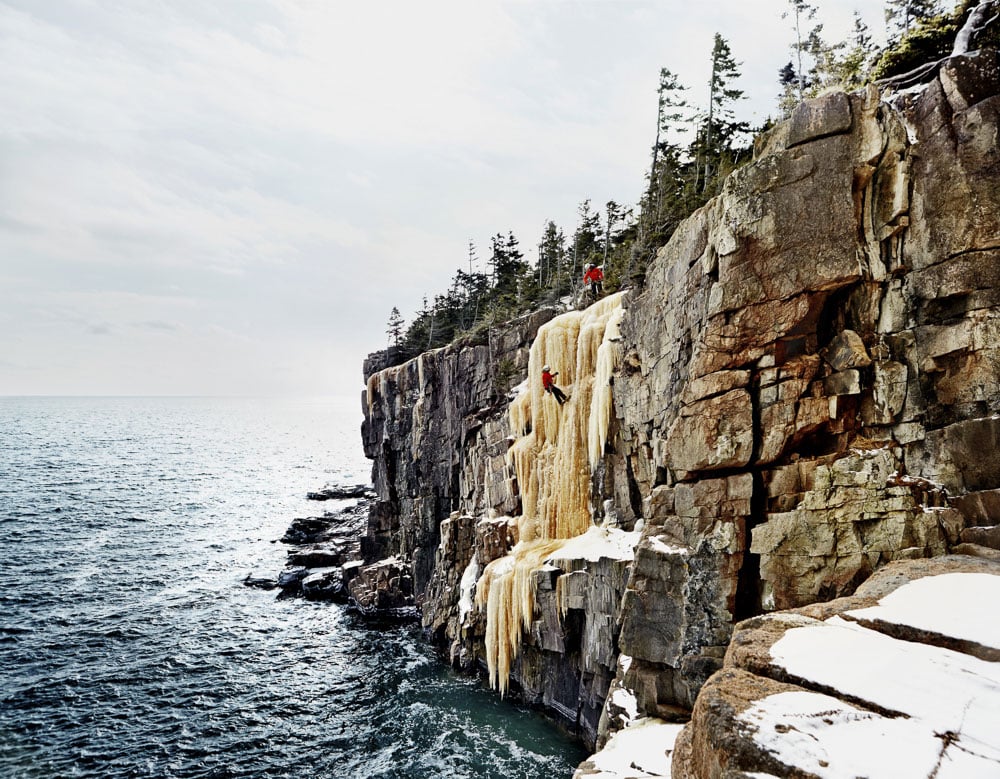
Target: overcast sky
[{"x": 229, "y": 196}]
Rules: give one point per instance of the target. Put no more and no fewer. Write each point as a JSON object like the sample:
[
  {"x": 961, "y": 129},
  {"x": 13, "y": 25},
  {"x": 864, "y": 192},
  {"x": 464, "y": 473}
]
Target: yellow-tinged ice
[
  {"x": 552, "y": 459},
  {"x": 608, "y": 360}
]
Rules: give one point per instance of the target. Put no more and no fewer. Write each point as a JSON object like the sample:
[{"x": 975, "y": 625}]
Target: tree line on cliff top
[{"x": 694, "y": 149}]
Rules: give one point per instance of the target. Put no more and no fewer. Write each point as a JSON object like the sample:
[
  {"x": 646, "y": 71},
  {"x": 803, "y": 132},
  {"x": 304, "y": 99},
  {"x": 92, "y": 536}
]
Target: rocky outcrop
[
  {"x": 900, "y": 679},
  {"x": 436, "y": 430},
  {"x": 820, "y": 339},
  {"x": 804, "y": 392},
  {"x": 324, "y": 550}
]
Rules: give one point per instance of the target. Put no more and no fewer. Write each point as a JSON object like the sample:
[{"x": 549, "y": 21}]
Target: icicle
[
  {"x": 552, "y": 460},
  {"x": 608, "y": 359},
  {"x": 374, "y": 383}
]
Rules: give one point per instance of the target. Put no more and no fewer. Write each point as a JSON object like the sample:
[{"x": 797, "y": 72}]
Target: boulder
[
  {"x": 325, "y": 584},
  {"x": 340, "y": 492},
  {"x": 384, "y": 590}
]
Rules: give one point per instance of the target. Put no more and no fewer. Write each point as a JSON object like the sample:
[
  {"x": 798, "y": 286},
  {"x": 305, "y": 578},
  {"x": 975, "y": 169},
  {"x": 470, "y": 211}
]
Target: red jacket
[
  {"x": 548, "y": 380},
  {"x": 595, "y": 274}
]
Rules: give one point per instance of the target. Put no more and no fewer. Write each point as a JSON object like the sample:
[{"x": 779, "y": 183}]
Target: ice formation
[
  {"x": 552, "y": 458},
  {"x": 469, "y": 577}
]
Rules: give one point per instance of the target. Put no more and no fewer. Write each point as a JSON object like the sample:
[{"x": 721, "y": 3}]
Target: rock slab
[{"x": 901, "y": 679}]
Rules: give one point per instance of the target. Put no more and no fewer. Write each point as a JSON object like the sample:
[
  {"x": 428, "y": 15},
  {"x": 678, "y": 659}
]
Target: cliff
[{"x": 805, "y": 390}]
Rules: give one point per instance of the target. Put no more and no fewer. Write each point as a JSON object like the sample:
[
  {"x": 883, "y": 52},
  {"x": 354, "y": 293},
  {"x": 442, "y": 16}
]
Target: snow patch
[
  {"x": 624, "y": 662},
  {"x": 599, "y": 543},
  {"x": 829, "y": 738},
  {"x": 660, "y": 547},
  {"x": 950, "y": 604},
  {"x": 469, "y": 578},
  {"x": 625, "y": 700},
  {"x": 938, "y": 691},
  {"x": 642, "y": 750}
]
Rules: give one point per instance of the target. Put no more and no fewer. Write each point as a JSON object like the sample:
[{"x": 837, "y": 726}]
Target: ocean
[{"x": 129, "y": 646}]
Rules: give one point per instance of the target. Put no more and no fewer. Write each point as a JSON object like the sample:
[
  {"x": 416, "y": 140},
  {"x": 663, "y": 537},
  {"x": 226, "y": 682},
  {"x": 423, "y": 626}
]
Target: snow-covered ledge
[
  {"x": 643, "y": 749},
  {"x": 902, "y": 679}
]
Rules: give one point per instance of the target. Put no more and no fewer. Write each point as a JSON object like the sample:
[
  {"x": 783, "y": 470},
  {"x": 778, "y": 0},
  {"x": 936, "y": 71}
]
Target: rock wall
[
  {"x": 436, "y": 430},
  {"x": 808, "y": 390}
]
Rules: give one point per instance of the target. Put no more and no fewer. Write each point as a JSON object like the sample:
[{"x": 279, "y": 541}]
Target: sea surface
[{"x": 130, "y": 648}]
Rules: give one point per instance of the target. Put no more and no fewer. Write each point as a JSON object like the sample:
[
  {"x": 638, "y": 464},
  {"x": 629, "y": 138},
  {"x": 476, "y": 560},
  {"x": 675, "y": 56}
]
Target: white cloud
[{"x": 297, "y": 167}]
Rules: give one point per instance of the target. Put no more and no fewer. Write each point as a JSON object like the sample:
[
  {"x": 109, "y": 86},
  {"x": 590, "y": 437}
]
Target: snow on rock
[
  {"x": 598, "y": 543},
  {"x": 949, "y": 605},
  {"x": 947, "y": 703},
  {"x": 666, "y": 549},
  {"x": 895, "y": 676},
  {"x": 642, "y": 750},
  {"x": 469, "y": 578},
  {"x": 625, "y": 700},
  {"x": 827, "y": 737},
  {"x": 887, "y": 683}
]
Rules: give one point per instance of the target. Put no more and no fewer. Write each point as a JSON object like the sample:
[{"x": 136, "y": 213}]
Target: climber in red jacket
[
  {"x": 549, "y": 385},
  {"x": 594, "y": 280}
]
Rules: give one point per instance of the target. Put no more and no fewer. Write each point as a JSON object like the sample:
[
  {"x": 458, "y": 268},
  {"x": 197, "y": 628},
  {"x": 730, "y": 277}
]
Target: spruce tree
[
  {"x": 901, "y": 15},
  {"x": 394, "y": 328},
  {"x": 554, "y": 273},
  {"x": 508, "y": 269},
  {"x": 587, "y": 246},
  {"x": 801, "y": 13},
  {"x": 672, "y": 112},
  {"x": 855, "y": 66},
  {"x": 720, "y": 127}
]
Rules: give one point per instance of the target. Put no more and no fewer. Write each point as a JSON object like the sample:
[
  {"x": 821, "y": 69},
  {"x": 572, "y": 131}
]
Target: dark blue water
[{"x": 130, "y": 648}]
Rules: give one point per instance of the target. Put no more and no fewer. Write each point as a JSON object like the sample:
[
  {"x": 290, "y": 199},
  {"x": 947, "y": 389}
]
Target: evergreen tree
[
  {"x": 855, "y": 66},
  {"x": 671, "y": 191},
  {"x": 915, "y": 55},
  {"x": 475, "y": 288},
  {"x": 613, "y": 214},
  {"x": 508, "y": 269},
  {"x": 671, "y": 116},
  {"x": 901, "y": 15},
  {"x": 394, "y": 328},
  {"x": 418, "y": 334},
  {"x": 553, "y": 270},
  {"x": 825, "y": 69},
  {"x": 789, "y": 95},
  {"x": 587, "y": 246},
  {"x": 801, "y": 13},
  {"x": 720, "y": 127}
]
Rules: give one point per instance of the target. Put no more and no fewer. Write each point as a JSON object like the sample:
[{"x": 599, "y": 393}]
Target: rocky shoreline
[
  {"x": 324, "y": 551},
  {"x": 326, "y": 561}
]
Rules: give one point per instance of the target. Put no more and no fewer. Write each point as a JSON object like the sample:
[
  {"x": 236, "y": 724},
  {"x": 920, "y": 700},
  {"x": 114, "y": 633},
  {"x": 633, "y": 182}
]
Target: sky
[{"x": 228, "y": 197}]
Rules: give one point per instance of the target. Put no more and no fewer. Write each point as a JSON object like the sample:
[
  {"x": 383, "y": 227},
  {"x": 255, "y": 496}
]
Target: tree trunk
[{"x": 978, "y": 21}]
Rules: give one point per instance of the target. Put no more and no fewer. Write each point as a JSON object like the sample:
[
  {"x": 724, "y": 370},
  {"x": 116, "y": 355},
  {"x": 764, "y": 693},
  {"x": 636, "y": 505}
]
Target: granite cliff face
[{"x": 806, "y": 389}]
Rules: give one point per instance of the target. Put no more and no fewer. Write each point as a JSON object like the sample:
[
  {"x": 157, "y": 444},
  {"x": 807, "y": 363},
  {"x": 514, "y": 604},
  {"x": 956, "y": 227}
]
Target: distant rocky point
[{"x": 335, "y": 492}]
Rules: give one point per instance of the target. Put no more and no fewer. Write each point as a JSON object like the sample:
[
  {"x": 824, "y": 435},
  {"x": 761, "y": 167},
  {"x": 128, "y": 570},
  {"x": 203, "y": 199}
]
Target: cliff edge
[{"x": 806, "y": 389}]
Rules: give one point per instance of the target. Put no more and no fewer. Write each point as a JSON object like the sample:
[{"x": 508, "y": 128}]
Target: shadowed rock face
[{"x": 808, "y": 391}]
